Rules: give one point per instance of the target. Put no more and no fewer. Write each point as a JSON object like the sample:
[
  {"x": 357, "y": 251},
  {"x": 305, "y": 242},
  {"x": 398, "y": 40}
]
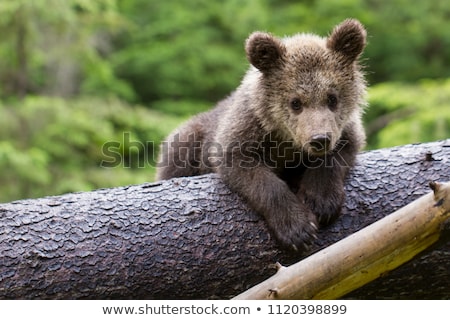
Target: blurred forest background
[{"x": 79, "y": 75}]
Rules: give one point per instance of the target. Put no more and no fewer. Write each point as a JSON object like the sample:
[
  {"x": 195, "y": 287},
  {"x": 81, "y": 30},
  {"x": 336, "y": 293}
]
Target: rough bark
[
  {"x": 191, "y": 238},
  {"x": 364, "y": 255}
]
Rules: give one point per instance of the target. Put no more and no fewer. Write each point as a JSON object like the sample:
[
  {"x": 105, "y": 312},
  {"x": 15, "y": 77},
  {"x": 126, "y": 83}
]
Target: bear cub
[{"x": 286, "y": 138}]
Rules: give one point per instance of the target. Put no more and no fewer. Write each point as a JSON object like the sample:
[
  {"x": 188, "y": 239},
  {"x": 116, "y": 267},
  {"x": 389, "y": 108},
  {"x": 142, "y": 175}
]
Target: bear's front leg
[
  {"x": 293, "y": 223},
  {"x": 322, "y": 190},
  {"x": 321, "y": 186}
]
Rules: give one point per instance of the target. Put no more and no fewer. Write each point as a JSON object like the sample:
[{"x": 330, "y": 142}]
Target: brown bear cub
[{"x": 287, "y": 137}]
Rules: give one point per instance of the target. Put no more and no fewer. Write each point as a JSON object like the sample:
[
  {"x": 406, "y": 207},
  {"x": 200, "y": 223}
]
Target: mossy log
[{"x": 192, "y": 238}]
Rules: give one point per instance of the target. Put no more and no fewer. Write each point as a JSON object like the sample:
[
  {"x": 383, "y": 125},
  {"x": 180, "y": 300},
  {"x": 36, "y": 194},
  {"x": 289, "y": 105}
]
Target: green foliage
[
  {"x": 402, "y": 113},
  {"x": 48, "y": 50},
  {"x": 195, "y": 58},
  {"x": 409, "y": 42},
  {"x": 195, "y": 52},
  {"x": 52, "y": 146}
]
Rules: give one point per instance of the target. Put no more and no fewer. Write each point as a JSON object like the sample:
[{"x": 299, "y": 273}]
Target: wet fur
[{"x": 262, "y": 148}]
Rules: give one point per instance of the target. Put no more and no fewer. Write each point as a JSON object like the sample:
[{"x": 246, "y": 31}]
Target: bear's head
[{"x": 308, "y": 88}]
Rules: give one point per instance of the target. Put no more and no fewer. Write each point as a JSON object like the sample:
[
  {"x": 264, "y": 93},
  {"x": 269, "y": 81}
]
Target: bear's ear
[
  {"x": 264, "y": 51},
  {"x": 348, "y": 38}
]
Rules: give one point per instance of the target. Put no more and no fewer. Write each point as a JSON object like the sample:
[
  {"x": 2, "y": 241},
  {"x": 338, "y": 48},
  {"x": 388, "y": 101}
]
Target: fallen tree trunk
[
  {"x": 191, "y": 238},
  {"x": 363, "y": 256}
]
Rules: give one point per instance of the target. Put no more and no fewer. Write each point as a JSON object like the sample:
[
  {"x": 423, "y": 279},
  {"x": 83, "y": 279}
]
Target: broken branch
[{"x": 364, "y": 255}]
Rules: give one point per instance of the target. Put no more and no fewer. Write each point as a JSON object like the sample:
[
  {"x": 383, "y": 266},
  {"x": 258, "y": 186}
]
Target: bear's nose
[{"x": 320, "y": 142}]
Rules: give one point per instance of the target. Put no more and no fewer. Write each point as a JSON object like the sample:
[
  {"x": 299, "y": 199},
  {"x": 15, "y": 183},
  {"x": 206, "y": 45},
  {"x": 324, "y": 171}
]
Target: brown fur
[{"x": 286, "y": 138}]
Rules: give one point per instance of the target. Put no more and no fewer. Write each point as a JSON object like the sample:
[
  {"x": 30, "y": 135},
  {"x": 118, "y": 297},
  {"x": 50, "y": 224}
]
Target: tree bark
[
  {"x": 363, "y": 256},
  {"x": 192, "y": 238}
]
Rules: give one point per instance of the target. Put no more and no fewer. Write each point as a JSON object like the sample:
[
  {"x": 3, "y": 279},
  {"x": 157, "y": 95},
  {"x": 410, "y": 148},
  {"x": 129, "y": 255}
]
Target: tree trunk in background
[
  {"x": 191, "y": 238},
  {"x": 21, "y": 84}
]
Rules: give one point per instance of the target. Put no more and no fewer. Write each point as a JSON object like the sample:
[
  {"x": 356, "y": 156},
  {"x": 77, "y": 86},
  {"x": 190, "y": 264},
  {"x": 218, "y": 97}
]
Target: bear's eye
[
  {"x": 332, "y": 101},
  {"x": 296, "y": 104}
]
